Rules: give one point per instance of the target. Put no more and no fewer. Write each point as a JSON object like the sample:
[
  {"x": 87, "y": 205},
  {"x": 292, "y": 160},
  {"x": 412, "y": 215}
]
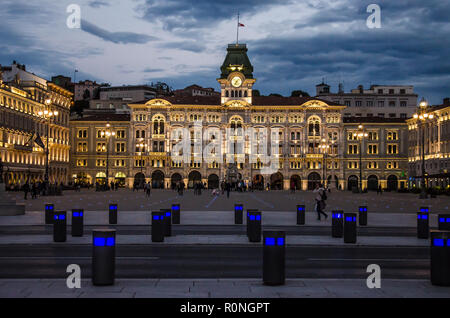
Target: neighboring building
[
  {"x": 302, "y": 122},
  {"x": 22, "y": 97},
  {"x": 437, "y": 147},
  {"x": 386, "y": 101},
  {"x": 87, "y": 90},
  {"x": 116, "y": 99},
  {"x": 64, "y": 82},
  {"x": 196, "y": 90},
  {"x": 90, "y": 148}
]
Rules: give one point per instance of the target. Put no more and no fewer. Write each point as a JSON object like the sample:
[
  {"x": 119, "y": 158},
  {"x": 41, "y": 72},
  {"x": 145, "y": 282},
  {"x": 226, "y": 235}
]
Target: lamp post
[
  {"x": 423, "y": 116},
  {"x": 47, "y": 114},
  {"x": 107, "y": 133},
  {"x": 141, "y": 146},
  {"x": 360, "y": 135},
  {"x": 324, "y": 146}
]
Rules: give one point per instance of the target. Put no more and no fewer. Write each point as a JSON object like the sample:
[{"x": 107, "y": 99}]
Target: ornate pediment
[
  {"x": 315, "y": 104},
  {"x": 158, "y": 102},
  {"x": 236, "y": 104}
]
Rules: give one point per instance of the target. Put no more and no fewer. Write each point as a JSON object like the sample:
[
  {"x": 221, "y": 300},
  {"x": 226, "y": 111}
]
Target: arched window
[
  {"x": 158, "y": 125},
  {"x": 236, "y": 122},
  {"x": 226, "y": 94},
  {"x": 314, "y": 126},
  {"x": 245, "y": 94}
]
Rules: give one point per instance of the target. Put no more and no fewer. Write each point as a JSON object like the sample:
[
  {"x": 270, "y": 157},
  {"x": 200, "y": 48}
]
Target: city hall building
[{"x": 315, "y": 143}]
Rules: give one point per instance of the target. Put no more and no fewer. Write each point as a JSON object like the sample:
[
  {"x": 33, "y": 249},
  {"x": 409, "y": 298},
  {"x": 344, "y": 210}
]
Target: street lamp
[
  {"x": 107, "y": 133},
  {"x": 360, "y": 135},
  {"x": 141, "y": 146},
  {"x": 423, "y": 116},
  {"x": 47, "y": 115},
  {"x": 324, "y": 147}
]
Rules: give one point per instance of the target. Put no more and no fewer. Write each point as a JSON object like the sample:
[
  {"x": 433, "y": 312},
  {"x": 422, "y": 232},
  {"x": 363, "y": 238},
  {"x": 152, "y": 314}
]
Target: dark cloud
[
  {"x": 192, "y": 46},
  {"x": 186, "y": 14},
  {"x": 153, "y": 70},
  {"x": 116, "y": 37}
]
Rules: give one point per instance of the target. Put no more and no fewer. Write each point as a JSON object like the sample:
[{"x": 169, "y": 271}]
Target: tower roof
[{"x": 237, "y": 57}]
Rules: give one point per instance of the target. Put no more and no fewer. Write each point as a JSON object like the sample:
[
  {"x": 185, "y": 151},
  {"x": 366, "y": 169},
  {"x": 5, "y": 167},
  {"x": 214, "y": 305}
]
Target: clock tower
[{"x": 236, "y": 80}]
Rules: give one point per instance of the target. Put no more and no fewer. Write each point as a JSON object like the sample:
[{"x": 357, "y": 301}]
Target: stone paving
[
  {"x": 219, "y": 240},
  {"x": 221, "y": 288},
  {"x": 263, "y": 200}
]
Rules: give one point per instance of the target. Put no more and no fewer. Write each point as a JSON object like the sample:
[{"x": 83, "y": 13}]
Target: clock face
[{"x": 236, "y": 81}]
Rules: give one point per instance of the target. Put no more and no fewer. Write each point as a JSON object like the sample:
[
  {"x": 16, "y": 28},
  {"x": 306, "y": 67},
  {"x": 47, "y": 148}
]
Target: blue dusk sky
[{"x": 292, "y": 44}]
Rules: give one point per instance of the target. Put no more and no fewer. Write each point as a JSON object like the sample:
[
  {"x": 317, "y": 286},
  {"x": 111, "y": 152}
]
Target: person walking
[
  {"x": 320, "y": 199},
  {"x": 379, "y": 190},
  {"x": 26, "y": 189},
  {"x": 292, "y": 187},
  {"x": 228, "y": 189}
]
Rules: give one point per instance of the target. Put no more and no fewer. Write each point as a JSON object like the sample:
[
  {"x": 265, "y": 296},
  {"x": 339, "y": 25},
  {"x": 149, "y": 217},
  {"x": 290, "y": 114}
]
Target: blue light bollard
[
  {"x": 167, "y": 221},
  {"x": 247, "y": 220},
  {"x": 176, "y": 210},
  {"x": 113, "y": 213},
  {"x": 77, "y": 222},
  {"x": 362, "y": 215},
  {"x": 444, "y": 222},
  {"x": 103, "y": 257},
  {"x": 423, "y": 224},
  {"x": 254, "y": 226},
  {"x": 238, "y": 214},
  {"x": 440, "y": 258},
  {"x": 49, "y": 210},
  {"x": 350, "y": 227},
  {"x": 301, "y": 215},
  {"x": 337, "y": 223},
  {"x": 274, "y": 257},
  {"x": 59, "y": 226},
  {"x": 158, "y": 227}
]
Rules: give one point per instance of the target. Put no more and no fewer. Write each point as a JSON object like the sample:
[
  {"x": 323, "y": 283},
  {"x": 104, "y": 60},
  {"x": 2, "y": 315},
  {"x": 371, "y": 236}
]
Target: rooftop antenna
[{"x": 239, "y": 24}]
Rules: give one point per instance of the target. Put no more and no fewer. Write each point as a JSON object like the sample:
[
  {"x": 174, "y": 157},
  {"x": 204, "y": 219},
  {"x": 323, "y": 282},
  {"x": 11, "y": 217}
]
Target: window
[
  {"x": 82, "y": 147},
  {"x": 101, "y": 147},
  {"x": 352, "y": 165},
  {"x": 139, "y": 163},
  {"x": 120, "y": 163},
  {"x": 392, "y": 149},
  {"x": 403, "y": 103},
  {"x": 370, "y": 103},
  {"x": 81, "y": 163},
  {"x": 259, "y": 119},
  {"x": 352, "y": 149},
  {"x": 82, "y": 133},
  {"x": 391, "y": 91},
  {"x": 381, "y": 115},
  {"x": 381, "y": 103},
  {"x": 296, "y": 165},
  {"x": 313, "y": 126},
  {"x": 372, "y": 149},
  {"x": 392, "y": 165},
  {"x": 372, "y": 165},
  {"x": 358, "y": 103},
  {"x": 100, "y": 163},
  {"x": 120, "y": 134},
  {"x": 347, "y": 103},
  {"x": 392, "y": 135},
  {"x": 380, "y": 91},
  {"x": 158, "y": 125},
  {"x": 352, "y": 136},
  {"x": 372, "y": 135},
  {"x": 403, "y": 115},
  {"x": 392, "y": 115},
  {"x": 402, "y": 91},
  {"x": 120, "y": 147},
  {"x": 392, "y": 103}
]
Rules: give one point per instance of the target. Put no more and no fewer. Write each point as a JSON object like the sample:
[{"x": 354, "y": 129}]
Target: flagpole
[{"x": 237, "y": 37}]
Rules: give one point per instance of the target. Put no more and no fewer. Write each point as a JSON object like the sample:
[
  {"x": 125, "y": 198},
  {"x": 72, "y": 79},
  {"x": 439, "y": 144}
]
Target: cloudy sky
[{"x": 293, "y": 44}]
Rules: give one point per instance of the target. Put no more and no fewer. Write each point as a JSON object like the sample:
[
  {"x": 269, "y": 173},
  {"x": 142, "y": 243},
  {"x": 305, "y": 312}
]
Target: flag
[
  {"x": 28, "y": 143},
  {"x": 38, "y": 140},
  {"x": 241, "y": 25}
]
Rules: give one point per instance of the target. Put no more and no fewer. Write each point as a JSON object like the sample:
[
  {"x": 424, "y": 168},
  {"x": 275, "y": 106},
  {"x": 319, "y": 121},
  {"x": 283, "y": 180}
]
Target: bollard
[
  {"x": 440, "y": 258},
  {"x": 49, "y": 209},
  {"x": 274, "y": 257},
  {"x": 167, "y": 221},
  {"x": 337, "y": 224},
  {"x": 59, "y": 226},
  {"x": 349, "y": 227},
  {"x": 158, "y": 227},
  {"x": 301, "y": 214},
  {"x": 424, "y": 209},
  {"x": 103, "y": 257},
  {"x": 254, "y": 226},
  {"x": 363, "y": 215},
  {"x": 113, "y": 213},
  {"x": 247, "y": 220},
  {"x": 238, "y": 214},
  {"x": 176, "y": 213},
  {"x": 77, "y": 222},
  {"x": 444, "y": 222},
  {"x": 423, "y": 225}
]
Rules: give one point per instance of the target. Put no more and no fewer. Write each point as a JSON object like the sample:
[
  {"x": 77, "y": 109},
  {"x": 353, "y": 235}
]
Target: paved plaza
[
  {"x": 128, "y": 200},
  {"x": 221, "y": 288}
]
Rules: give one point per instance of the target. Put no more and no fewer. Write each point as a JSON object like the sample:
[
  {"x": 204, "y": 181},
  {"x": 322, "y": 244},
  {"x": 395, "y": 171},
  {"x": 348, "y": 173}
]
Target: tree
[
  {"x": 276, "y": 94},
  {"x": 299, "y": 93},
  {"x": 86, "y": 94},
  {"x": 256, "y": 93}
]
